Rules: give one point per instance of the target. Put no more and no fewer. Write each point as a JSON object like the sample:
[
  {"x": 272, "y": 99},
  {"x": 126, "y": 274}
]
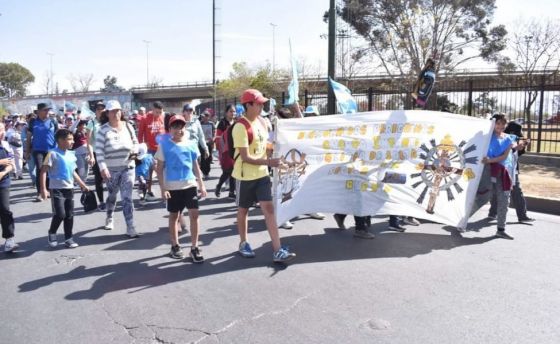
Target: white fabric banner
[{"x": 424, "y": 164}]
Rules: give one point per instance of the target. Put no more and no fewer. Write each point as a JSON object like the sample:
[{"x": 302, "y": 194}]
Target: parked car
[
  {"x": 523, "y": 121},
  {"x": 553, "y": 119}
]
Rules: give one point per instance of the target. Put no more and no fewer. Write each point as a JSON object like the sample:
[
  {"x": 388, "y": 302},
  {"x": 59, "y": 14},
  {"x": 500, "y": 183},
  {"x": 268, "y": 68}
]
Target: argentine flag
[{"x": 346, "y": 104}]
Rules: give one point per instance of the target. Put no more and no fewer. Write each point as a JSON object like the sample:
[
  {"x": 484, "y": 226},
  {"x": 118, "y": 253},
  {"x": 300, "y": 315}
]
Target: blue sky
[{"x": 105, "y": 37}]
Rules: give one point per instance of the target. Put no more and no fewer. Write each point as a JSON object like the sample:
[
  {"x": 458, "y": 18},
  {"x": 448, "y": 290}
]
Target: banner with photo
[{"x": 424, "y": 164}]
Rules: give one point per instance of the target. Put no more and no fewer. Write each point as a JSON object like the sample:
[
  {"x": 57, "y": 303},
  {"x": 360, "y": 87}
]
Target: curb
[{"x": 543, "y": 205}]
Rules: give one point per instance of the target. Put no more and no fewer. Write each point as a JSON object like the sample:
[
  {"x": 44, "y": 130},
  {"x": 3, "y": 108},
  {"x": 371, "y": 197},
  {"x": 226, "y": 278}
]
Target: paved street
[{"x": 428, "y": 285}]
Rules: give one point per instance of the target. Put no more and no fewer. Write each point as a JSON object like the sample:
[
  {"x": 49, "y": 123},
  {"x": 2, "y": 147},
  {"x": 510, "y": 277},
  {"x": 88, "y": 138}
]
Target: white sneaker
[
  {"x": 150, "y": 197},
  {"x": 131, "y": 232},
  {"x": 287, "y": 225},
  {"x": 317, "y": 216},
  {"x": 10, "y": 245},
  {"x": 52, "y": 240},
  {"x": 109, "y": 224}
]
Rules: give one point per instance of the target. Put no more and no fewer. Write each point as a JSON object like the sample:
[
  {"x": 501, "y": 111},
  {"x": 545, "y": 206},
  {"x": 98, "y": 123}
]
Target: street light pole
[
  {"x": 51, "y": 73},
  {"x": 147, "y": 62},
  {"x": 273, "y": 47}
]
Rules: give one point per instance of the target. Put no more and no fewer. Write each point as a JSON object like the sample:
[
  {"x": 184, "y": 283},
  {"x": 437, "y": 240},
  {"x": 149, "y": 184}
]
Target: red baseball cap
[
  {"x": 176, "y": 118},
  {"x": 252, "y": 95}
]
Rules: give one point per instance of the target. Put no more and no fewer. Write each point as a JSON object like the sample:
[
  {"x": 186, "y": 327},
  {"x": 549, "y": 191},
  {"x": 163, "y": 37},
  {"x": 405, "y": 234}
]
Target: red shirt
[{"x": 150, "y": 127}]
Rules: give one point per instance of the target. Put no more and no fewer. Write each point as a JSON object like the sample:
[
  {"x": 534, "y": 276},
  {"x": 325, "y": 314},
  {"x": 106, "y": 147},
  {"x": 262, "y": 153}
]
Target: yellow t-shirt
[{"x": 257, "y": 150}]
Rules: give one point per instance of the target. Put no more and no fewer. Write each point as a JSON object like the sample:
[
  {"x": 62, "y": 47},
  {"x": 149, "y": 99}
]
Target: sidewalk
[{"x": 541, "y": 187}]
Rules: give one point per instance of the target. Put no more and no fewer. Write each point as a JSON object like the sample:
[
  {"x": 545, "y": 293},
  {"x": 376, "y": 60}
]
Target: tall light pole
[
  {"x": 147, "y": 61},
  {"x": 51, "y": 72},
  {"x": 273, "y": 47}
]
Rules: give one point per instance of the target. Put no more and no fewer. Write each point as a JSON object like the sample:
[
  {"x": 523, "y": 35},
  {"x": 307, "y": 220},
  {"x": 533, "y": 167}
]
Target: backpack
[{"x": 227, "y": 144}]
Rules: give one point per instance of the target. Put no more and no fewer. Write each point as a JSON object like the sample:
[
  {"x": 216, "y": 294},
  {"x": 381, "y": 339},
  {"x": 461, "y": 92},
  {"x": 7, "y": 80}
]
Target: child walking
[
  {"x": 176, "y": 161},
  {"x": 60, "y": 164},
  {"x": 502, "y": 173}
]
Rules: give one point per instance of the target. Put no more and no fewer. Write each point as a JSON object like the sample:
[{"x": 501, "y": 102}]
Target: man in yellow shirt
[{"x": 250, "y": 171}]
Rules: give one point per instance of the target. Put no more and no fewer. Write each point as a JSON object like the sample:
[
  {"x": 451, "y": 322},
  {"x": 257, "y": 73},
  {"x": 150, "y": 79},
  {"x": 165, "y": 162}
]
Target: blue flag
[
  {"x": 346, "y": 104},
  {"x": 293, "y": 87}
]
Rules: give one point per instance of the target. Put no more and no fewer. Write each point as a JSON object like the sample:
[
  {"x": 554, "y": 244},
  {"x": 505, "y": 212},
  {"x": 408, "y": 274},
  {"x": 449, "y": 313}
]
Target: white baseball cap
[
  {"x": 113, "y": 105},
  {"x": 142, "y": 151}
]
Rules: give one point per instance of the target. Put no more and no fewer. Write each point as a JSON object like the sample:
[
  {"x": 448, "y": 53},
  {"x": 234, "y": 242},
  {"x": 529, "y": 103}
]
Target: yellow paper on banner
[
  {"x": 407, "y": 128},
  {"x": 301, "y": 135},
  {"x": 328, "y": 158},
  {"x": 372, "y": 155},
  {"x": 363, "y": 129},
  {"x": 405, "y": 142},
  {"x": 374, "y": 187},
  {"x": 326, "y": 144},
  {"x": 349, "y": 184}
]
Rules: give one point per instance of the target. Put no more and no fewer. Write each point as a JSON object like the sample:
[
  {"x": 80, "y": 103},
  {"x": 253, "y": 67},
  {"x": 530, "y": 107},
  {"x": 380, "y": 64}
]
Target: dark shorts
[
  {"x": 251, "y": 191},
  {"x": 181, "y": 199}
]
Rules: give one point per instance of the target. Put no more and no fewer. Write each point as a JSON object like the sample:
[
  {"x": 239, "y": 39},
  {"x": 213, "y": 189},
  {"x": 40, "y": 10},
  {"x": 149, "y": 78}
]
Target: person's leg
[
  {"x": 232, "y": 183},
  {"x": 267, "y": 208},
  {"x": 18, "y": 160},
  {"x": 194, "y": 223},
  {"x": 221, "y": 181},
  {"x": 6, "y": 216},
  {"x": 484, "y": 191},
  {"x": 59, "y": 213},
  {"x": 518, "y": 200},
  {"x": 493, "y": 206},
  {"x": 98, "y": 180},
  {"x": 32, "y": 171},
  {"x": 150, "y": 179},
  {"x": 69, "y": 213},
  {"x": 112, "y": 189},
  {"x": 81, "y": 164},
  {"x": 502, "y": 208},
  {"x": 242, "y": 216},
  {"x": 173, "y": 227},
  {"x": 38, "y": 158},
  {"x": 339, "y": 219},
  {"x": 126, "y": 186}
]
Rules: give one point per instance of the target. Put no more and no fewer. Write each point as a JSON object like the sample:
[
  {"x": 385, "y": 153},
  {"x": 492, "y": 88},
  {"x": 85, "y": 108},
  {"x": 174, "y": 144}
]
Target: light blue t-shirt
[
  {"x": 498, "y": 146},
  {"x": 62, "y": 165}
]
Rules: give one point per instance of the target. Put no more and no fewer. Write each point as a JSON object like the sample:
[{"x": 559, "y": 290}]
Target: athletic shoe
[
  {"x": 491, "y": 217},
  {"x": 396, "y": 227},
  {"x": 131, "y": 232},
  {"x": 232, "y": 195},
  {"x": 339, "y": 222},
  {"x": 10, "y": 245},
  {"x": 196, "y": 256},
  {"x": 70, "y": 243},
  {"x": 363, "y": 234},
  {"x": 142, "y": 201},
  {"x": 52, "y": 240},
  {"x": 526, "y": 220},
  {"x": 109, "y": 224},
  {"x": 317, "y": 216},
  {"x": 287, "y": 225},
  {"x": 176, "y": 252},
  {"x": 368, "y": 221},
  {"x": 38, "y": 199},
  {"x": 101, "y": 207},
  {"x": 217, "y": 193},
  {"x": 409, "y": 220},
  {"x": 245, "y": 250},
  {"x": 283, "y": 255},
  {"x": 502, "y": 234},
  {"x": 150, "y": 197}
]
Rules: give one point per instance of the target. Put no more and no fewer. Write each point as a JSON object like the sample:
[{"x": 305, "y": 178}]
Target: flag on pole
[
  {"x": 293, "y": 87},
  {"x": 346, "y": 104}
]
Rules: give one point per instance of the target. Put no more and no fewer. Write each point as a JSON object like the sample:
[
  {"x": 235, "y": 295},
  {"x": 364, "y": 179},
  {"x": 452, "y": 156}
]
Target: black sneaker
[
  {"x": 217, "y": 193},
  {"x": 526, "y": 220},
  {"x": 501, "y": 233},
  {"x": 196, "y": 256},
  {"x": 396, "y": 227},
  {"x": 232, "y": 195},
  {"x": 176, "y": 252}
]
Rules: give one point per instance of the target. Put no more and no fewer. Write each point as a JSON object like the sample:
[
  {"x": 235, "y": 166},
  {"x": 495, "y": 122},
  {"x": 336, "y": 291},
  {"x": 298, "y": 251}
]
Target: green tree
[
  {"x": 443, "y": 103},
  {"x": 14, "y": 79},
  {"x": 110, "y": 83},
  {"x": 243, "y": 77},
  {"x": 403, "y": 34}
]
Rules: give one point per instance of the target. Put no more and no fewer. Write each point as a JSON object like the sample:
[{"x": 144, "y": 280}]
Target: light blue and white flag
[
  {"x": 293, "y": 87},
  {"x": 346, "y": 104}
]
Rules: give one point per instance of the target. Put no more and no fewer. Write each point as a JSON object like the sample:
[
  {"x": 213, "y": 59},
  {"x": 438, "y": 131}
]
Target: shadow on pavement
[{"x": 334, "y": 245}]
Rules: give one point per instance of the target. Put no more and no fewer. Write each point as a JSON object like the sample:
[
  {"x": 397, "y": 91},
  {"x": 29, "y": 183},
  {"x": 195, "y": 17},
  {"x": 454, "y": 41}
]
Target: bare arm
[
  {"x": 81, "y": 183},
  {"x": 246, "y": 157},
  {"x": 198, "y": 175},
  {"x": 43, "y": 181},
  {"x": 161, "y": 178},
  {"x": 502, "y": 157}
]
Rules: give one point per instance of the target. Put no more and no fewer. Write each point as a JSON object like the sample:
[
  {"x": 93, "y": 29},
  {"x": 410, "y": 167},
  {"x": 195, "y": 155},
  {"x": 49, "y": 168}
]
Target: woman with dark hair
[{"x": 226, "y": 162}]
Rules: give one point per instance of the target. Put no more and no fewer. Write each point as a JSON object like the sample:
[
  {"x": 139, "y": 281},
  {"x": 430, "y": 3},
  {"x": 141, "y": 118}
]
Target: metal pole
[
  {"x": 51, "y": 73},
  {"x": 331, "y": 103},
  {"x": 214, "y": 55},
  {"x": 273, "y": 47},
  {"x": 147, "y": 62}
]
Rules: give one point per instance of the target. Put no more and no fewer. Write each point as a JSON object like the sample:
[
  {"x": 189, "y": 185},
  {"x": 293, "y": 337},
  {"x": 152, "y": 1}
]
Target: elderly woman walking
[{"x": 116, "y": 147}]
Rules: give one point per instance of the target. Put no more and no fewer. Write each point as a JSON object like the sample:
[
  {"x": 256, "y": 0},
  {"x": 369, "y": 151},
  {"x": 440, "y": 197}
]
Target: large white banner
[{"x": 424, "y": 164}]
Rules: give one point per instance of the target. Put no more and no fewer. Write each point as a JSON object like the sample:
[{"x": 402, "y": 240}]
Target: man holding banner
[{"x": 251, "y": 173}]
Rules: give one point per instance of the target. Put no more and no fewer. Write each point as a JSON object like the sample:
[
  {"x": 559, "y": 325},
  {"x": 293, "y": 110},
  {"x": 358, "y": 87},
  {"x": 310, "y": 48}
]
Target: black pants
[
  {"x": 39, "y": 157},
  {"x": 6, "y": 216},
  {"x": 360, "y": 221},
  {"x": 63, "y": 211},
  {"x": 226, "y": 173},
  {"x": 206, "y": 162},
  {"x": 98, "y": 180}
]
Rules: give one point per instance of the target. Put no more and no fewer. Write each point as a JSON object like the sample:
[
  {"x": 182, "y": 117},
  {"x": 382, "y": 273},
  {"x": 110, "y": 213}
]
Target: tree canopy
[
  {"x": 243, "y": 77},
  {"x": 14, "y": 79},
  {"x": 403, "y": 34},
  {"x": 110, "y": 85}
]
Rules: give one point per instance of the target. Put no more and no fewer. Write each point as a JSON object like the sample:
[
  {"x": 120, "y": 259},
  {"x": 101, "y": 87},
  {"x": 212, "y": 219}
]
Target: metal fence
[{"x": 532, "y": 101}]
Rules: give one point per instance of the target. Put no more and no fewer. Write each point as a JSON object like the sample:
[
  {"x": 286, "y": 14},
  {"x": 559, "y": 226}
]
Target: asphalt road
[{"x": 427, "y": 285}]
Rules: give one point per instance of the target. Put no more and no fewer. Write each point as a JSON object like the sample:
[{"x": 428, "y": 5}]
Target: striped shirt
[{"x": 113, "y": 147}]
